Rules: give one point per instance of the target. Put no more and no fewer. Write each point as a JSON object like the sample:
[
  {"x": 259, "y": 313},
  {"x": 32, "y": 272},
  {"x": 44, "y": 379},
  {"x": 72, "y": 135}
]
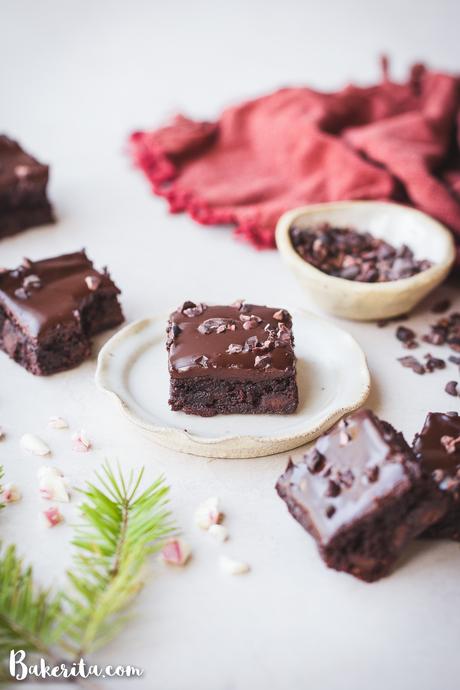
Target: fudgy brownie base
[
  {"x": 208, "y": 397},
  {"x": 369, "y": 549},
  {"x": 16, "y": 220},
  {"x": 65, "y": 347}
]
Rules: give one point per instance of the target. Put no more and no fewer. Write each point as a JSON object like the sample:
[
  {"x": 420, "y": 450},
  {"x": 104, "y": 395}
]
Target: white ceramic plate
[{"x": 332, "y": 377}]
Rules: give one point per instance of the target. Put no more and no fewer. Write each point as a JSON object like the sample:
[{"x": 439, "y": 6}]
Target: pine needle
[
  {"x": 28, "y": 614},
  {"x": 121, "y": 527}
]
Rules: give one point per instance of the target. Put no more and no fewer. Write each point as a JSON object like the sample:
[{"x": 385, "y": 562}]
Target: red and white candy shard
[
  {"x": 219, "y": 532},
  {"x": 11, "y": 493},
  {"x": 57, "y": 423},
  {"x": 208, "y": 513},
  {"x": 81, "y": 443},
  {"x": 232, "y": 567},
  {"x": 53, "y": 486},
  {"x": 34, "y": 444},
  {"x": 52, "y": 516},
  {"x": 176, "y": 552}
]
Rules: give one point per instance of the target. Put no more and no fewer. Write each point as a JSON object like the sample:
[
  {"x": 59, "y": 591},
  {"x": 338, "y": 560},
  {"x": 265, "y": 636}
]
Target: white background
[{"x": 75, "y": 78}]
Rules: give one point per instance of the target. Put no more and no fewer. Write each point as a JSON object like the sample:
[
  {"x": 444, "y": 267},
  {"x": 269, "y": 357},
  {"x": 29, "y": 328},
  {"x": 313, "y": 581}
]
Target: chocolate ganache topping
[
  {"x": 242, "y": 341},
  {"x": 41, "y": 295},
  {"x": 359, "y": 463},
  {"x": 437, "y": 447}
]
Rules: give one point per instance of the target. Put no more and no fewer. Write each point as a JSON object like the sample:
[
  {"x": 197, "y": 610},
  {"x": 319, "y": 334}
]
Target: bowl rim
[{"x": 286, "y": 248}]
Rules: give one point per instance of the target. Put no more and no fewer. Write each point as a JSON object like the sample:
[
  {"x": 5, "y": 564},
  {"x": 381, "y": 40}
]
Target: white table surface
[{"x": 76, "y": 78}]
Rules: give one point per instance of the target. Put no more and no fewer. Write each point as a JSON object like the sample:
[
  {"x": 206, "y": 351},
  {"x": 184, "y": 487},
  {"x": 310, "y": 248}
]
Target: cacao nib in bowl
[
  {"x": 347, "y": 253},
  {"x": 365, "y": 260}
]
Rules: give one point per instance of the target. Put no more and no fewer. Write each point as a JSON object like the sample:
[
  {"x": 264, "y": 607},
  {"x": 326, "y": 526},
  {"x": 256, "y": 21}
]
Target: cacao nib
[
  {"x": 433, "y": 363},
  {"x": 441, "y": 306},
  {"x": 451, "y": 388},
  {"x": 412, "y": 363},
  {"x": 347, "y": 253}
]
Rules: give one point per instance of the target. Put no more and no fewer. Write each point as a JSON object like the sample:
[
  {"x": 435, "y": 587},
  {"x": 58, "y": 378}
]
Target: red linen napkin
[{"x": 298, "y": 146}]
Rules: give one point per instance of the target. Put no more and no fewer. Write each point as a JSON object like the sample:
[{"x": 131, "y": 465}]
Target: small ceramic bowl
[{"x": 396, "y": 224}]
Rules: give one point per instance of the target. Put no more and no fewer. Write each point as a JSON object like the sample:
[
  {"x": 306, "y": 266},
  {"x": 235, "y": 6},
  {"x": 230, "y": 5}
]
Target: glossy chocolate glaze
[
  {"x": 351, "y": 470},
  {"x": 432, "y": 451},
  {"x": 243, "y": 341},
  {"x": 22, "y": 178},
  {"x": 42, "y": 295}
]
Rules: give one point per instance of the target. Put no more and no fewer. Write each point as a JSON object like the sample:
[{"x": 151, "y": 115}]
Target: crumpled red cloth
[{"x": 297, "y": 146}]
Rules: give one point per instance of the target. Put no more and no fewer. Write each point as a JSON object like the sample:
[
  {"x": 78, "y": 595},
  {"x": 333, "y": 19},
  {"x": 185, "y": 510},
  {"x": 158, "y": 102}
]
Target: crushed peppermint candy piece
[
  {"x": 57, "y": 423},
  {"x": 53, "y": 486},
  {"x": 208, "y": 513},
  {"x": 52, "y": 516},
  {"x": 34, "y": 444},
  {"x": 21, "y": 170},
  {"x": 219, "y": 532},
  {"x": 31, "y": 281},
  {"x": 450, "y": 443},
  {"x": 11, "y": 493},
  {"x": 232, "y": 567},
  {"x": 92, "y": 282},
  {"x": 176, "y": 552},
  {"x": 81, "y": 443}
]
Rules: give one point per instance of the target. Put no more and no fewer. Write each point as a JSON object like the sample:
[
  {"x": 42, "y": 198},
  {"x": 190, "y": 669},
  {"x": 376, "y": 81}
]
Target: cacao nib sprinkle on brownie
[
  {"x": 347, "y": 253},
  {"x": 437, "y": 448},
  {"x": 231, "y": 359},
  {"x": 48, "y": 313},
  {"x": 364, "y": 501},
  {"x": 23, "y": 182}
]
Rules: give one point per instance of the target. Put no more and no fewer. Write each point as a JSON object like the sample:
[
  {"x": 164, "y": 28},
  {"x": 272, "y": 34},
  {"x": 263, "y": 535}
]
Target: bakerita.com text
[{"x": 20, "y": 670}]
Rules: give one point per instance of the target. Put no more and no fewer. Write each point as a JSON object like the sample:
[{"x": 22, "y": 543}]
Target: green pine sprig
[
  {"x": 121, "y": 526},
  {"x": 28, "y": 613}
]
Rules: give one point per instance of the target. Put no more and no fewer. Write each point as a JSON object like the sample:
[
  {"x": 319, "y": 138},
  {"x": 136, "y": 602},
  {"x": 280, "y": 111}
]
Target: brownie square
[
  {"x": 231, "y": 359},
  {"x": 49, "y": 310},
  {"x": 23, "y": 182},
  {"x": 362, "y": 495},
  {"x": 437, "y": 447}
]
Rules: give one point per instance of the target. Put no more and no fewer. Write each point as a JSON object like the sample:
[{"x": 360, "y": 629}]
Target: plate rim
[{"x": 230, "y": 446}]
